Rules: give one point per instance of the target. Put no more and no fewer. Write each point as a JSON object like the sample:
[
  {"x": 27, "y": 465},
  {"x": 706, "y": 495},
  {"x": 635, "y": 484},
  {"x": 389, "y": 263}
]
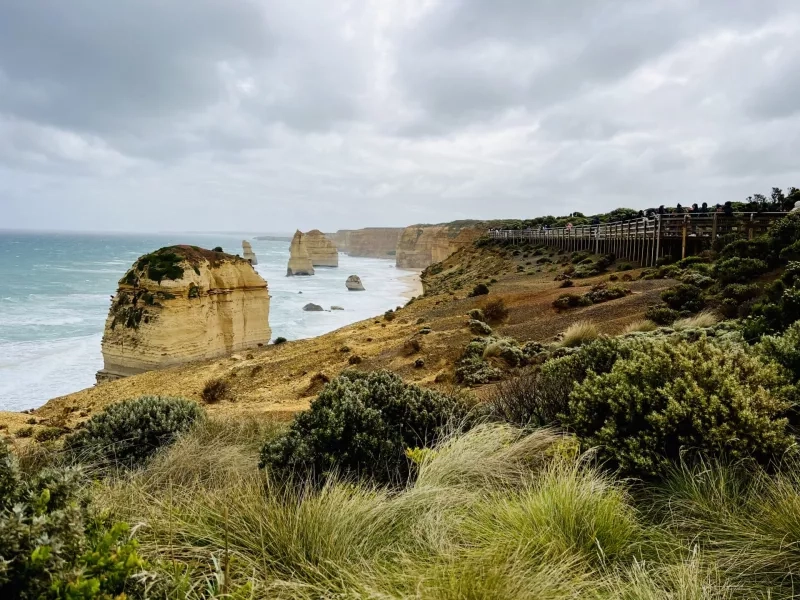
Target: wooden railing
[{"x": 646, "y": 239}]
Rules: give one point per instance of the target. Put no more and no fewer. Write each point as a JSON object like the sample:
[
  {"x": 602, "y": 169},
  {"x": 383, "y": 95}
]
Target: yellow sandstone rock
[
  {"x": 180, "y": 304},
  {"x": 321, "y": 250},
  {"x": 299, "y": 258},
  {"x": 373, "y": 242},
  {"x": 422, "y": 245},
  {"x": 248, "y": 254}
]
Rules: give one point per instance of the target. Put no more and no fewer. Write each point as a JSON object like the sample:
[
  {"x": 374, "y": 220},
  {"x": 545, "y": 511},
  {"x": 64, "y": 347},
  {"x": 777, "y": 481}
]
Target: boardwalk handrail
[{"x": 644, "y": 239}]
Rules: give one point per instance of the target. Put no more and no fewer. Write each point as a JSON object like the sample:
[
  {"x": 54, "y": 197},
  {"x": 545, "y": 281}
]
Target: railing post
[
  {"x": 750, "y": 229},
  {"x": 684, "y": 230},
  {"x": 657, "y": 236},
  {"x": 714, "y": 227}
]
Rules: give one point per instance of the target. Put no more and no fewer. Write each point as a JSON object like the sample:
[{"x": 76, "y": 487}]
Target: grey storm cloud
[{"x": 268, "y": 115}]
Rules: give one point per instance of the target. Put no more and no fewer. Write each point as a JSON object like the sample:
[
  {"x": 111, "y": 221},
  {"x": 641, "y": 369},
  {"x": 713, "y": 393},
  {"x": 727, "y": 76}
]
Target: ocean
[{"x": 55, "y": 291}]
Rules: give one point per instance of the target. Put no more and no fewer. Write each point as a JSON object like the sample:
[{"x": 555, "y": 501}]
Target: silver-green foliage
[
  {"x": 129, "y": 432},
  {"x": 667, "y": 396}
]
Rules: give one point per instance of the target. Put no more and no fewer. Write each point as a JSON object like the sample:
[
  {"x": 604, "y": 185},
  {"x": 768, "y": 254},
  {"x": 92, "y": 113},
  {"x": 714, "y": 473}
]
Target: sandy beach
[{"x": 413, "y": 282}]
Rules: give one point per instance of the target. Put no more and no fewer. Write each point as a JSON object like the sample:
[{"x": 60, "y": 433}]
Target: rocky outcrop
[
  {"x": 299, "y": 259},
  {"x": 311, "y": 307},
  {"x": 183, "y": 303},
  {"x": 248, "y": 254},
  {"x": 321, "y": 250},
  {"x": 354, "y": 284},
  {"x": 373, "y": 242},
  {"x": 422, "y": 245}
]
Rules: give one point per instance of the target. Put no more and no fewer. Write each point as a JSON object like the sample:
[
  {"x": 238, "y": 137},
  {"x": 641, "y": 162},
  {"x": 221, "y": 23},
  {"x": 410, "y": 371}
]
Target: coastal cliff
[
  {"x": 340, "y": 239},
  {"x": 373, "y": 242},
  {"x": 422, "y": 245},
  {"x": 321, "y": 250},
  {"x": 299, "y": 258},
  {"x": 180, "y": 304}
]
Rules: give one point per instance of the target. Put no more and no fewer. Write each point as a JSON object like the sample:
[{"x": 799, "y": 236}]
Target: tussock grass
[
  {"x": 705, "y": 318},
  {"x": 493, "y": 513},
  {"x": 579, "y": 333},
  {"x": 642, "y": 325}
]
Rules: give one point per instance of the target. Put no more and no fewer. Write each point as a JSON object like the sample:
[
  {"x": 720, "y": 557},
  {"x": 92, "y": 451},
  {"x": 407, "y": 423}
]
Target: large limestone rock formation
[
  {"x": 248, "y": 254},
  {"x": 340, "y": 239},
  {"x": 183, "y": 303},
  {"x": 299, "y": 259},
  {"x": 373, "y": 242},
  {"x": 322, "y": 251},
  {"x": 354, "y": 284},
  {"x": 422, "y": 245}
]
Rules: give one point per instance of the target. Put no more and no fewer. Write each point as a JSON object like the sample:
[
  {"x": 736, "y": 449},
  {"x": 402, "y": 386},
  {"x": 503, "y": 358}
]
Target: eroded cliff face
[
  {"x": 373, "y": 242},
  {"x": 299, "y": 258},
  {"x": 321, "y": 250},
  {"x": 420, "y": 246},
  {"x": 181, "y": 304},
  {"x": 340, "y": 239}
]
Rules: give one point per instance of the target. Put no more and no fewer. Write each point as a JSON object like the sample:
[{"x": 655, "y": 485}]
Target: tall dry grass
[
  {"x": 579, "y": 333},
  {"x": 702, "y": 319},
  {"x": 492, "y": 513}
]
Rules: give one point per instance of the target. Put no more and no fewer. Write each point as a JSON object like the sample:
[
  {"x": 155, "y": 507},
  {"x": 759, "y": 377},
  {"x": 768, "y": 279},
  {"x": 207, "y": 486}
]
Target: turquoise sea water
[{"x": 55, "y": 290}]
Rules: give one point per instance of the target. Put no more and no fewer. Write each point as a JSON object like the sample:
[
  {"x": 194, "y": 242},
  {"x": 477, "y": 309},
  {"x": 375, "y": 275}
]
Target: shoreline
[{"x": 413, "y": 282}]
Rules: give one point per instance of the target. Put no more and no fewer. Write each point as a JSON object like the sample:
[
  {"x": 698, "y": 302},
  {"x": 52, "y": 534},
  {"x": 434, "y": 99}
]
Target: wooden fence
[{"x": 646, "y": 239}]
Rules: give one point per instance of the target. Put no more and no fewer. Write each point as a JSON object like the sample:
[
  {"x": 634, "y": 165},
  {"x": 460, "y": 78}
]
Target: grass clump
[
  {"x": 129, "y": 432},
  {"x": 360, "y": 425},
  {"x": 702, "y": 319},
  {"x": 642, "y": 325},
  {"x": 579, "y": 333}
]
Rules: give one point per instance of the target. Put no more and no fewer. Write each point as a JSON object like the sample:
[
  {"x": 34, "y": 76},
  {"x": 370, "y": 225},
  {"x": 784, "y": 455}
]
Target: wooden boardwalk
[{"x": 646, "y": 239}]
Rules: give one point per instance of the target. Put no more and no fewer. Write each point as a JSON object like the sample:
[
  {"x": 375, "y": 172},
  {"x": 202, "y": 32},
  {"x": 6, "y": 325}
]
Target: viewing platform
[{"x": 644, "y": 240}]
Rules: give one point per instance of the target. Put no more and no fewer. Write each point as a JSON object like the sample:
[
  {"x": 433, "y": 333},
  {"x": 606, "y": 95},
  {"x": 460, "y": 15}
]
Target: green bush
[
  {"x": 784, "y": 349},
  {"x": 279, "y": 340},
  {"x": 477, "y": 315},
  {"x": 360, "y": 425},
  {"x": 684, "y": 296},
  {"x": 51, "y": 545},
  {"x": 603, "y": 293},
  {"x": 741, "y": 291},
  {"x": 479, "y": 290},
  {"x": 662, "y": 315},
  {"x": 739, "y": 270},
  {"x": 670, "y": 396},
  {"x": 565, "y": 301},
  {"x": 479, "y": 327},
  {"x": 129, "y": 432},
  {"x": 689, "y": 261}
]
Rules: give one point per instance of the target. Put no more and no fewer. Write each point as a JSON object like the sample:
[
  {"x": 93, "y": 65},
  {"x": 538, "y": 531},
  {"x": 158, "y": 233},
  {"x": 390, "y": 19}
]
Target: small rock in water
[
  {"x": 354, "y": 284},
  {"x": 336, "y": 308},
  {"x": 311, "y": 307}
]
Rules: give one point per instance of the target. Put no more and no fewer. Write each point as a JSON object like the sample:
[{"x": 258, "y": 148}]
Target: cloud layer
[{"x": 267, "y": 116}]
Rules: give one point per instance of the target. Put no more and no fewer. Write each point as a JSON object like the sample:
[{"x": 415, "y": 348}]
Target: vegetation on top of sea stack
[{"x": 167, "y": 262}]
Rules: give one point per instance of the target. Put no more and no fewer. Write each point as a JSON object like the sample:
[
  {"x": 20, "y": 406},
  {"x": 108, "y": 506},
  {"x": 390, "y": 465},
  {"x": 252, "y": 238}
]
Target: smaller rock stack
[
  {"x": 322, "y": 250},
  {"x": 299, "y": 259},
  {"x": 354, "y": 284},
  {"x": 248, "y": 254}
]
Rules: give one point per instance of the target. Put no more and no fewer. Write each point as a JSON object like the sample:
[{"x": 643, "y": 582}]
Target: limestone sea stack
[
  {"x": 354, "y": 284},
  {"x": 299, "y": 259},
  {"x": 248, "y": 254},
  {"x": 321, "y": 250},
  {"x": 180, "y": 304}
]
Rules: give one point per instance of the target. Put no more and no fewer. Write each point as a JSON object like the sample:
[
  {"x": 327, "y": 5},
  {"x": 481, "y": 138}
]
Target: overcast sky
[{"x": 268, "y": 115}]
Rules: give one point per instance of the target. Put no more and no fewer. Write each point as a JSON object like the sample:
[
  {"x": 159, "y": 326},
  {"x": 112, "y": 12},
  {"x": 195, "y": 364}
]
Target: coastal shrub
[
  {"x": 603, "y": 293},
  {"x": 129, "y": 432},
  {"x": 565, "y": 301},
  {"x": 215, "y": 390},
  {"x": 507, "y": 349},
  {"x": 495, "y": 311},
  {"x": 217, "y": 249},
  {"x": 159, "y": 265},
  {"x": 739, "y": 270},
  {"x": 479, "y": 327},
  {"x": 389, "y": 315},
  {"x": 472, "y": 369},
  {"x": 355, "y": 359},
  {"x": 689, "y": 261},
  {"x": 669, "y": 396},
  {"x": 683, "y": 297},
  {"x": 477, "y": 314},
  {"x": 360, "y": 425},
  {"x": 784, "y": 349},
  {"x": 722, "y": 241},
  {"x": 479, "y": 290},
  {"x": 51, "y": 545},
  {"x": 661, "y": 315},
  {"x": 279, "y": 340},
  {"x": 697, "y": 279},
  {"x": 518, "y": 401},
  {"x": 567, "y": 283},
  {"x": 579, "y": 333}
]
